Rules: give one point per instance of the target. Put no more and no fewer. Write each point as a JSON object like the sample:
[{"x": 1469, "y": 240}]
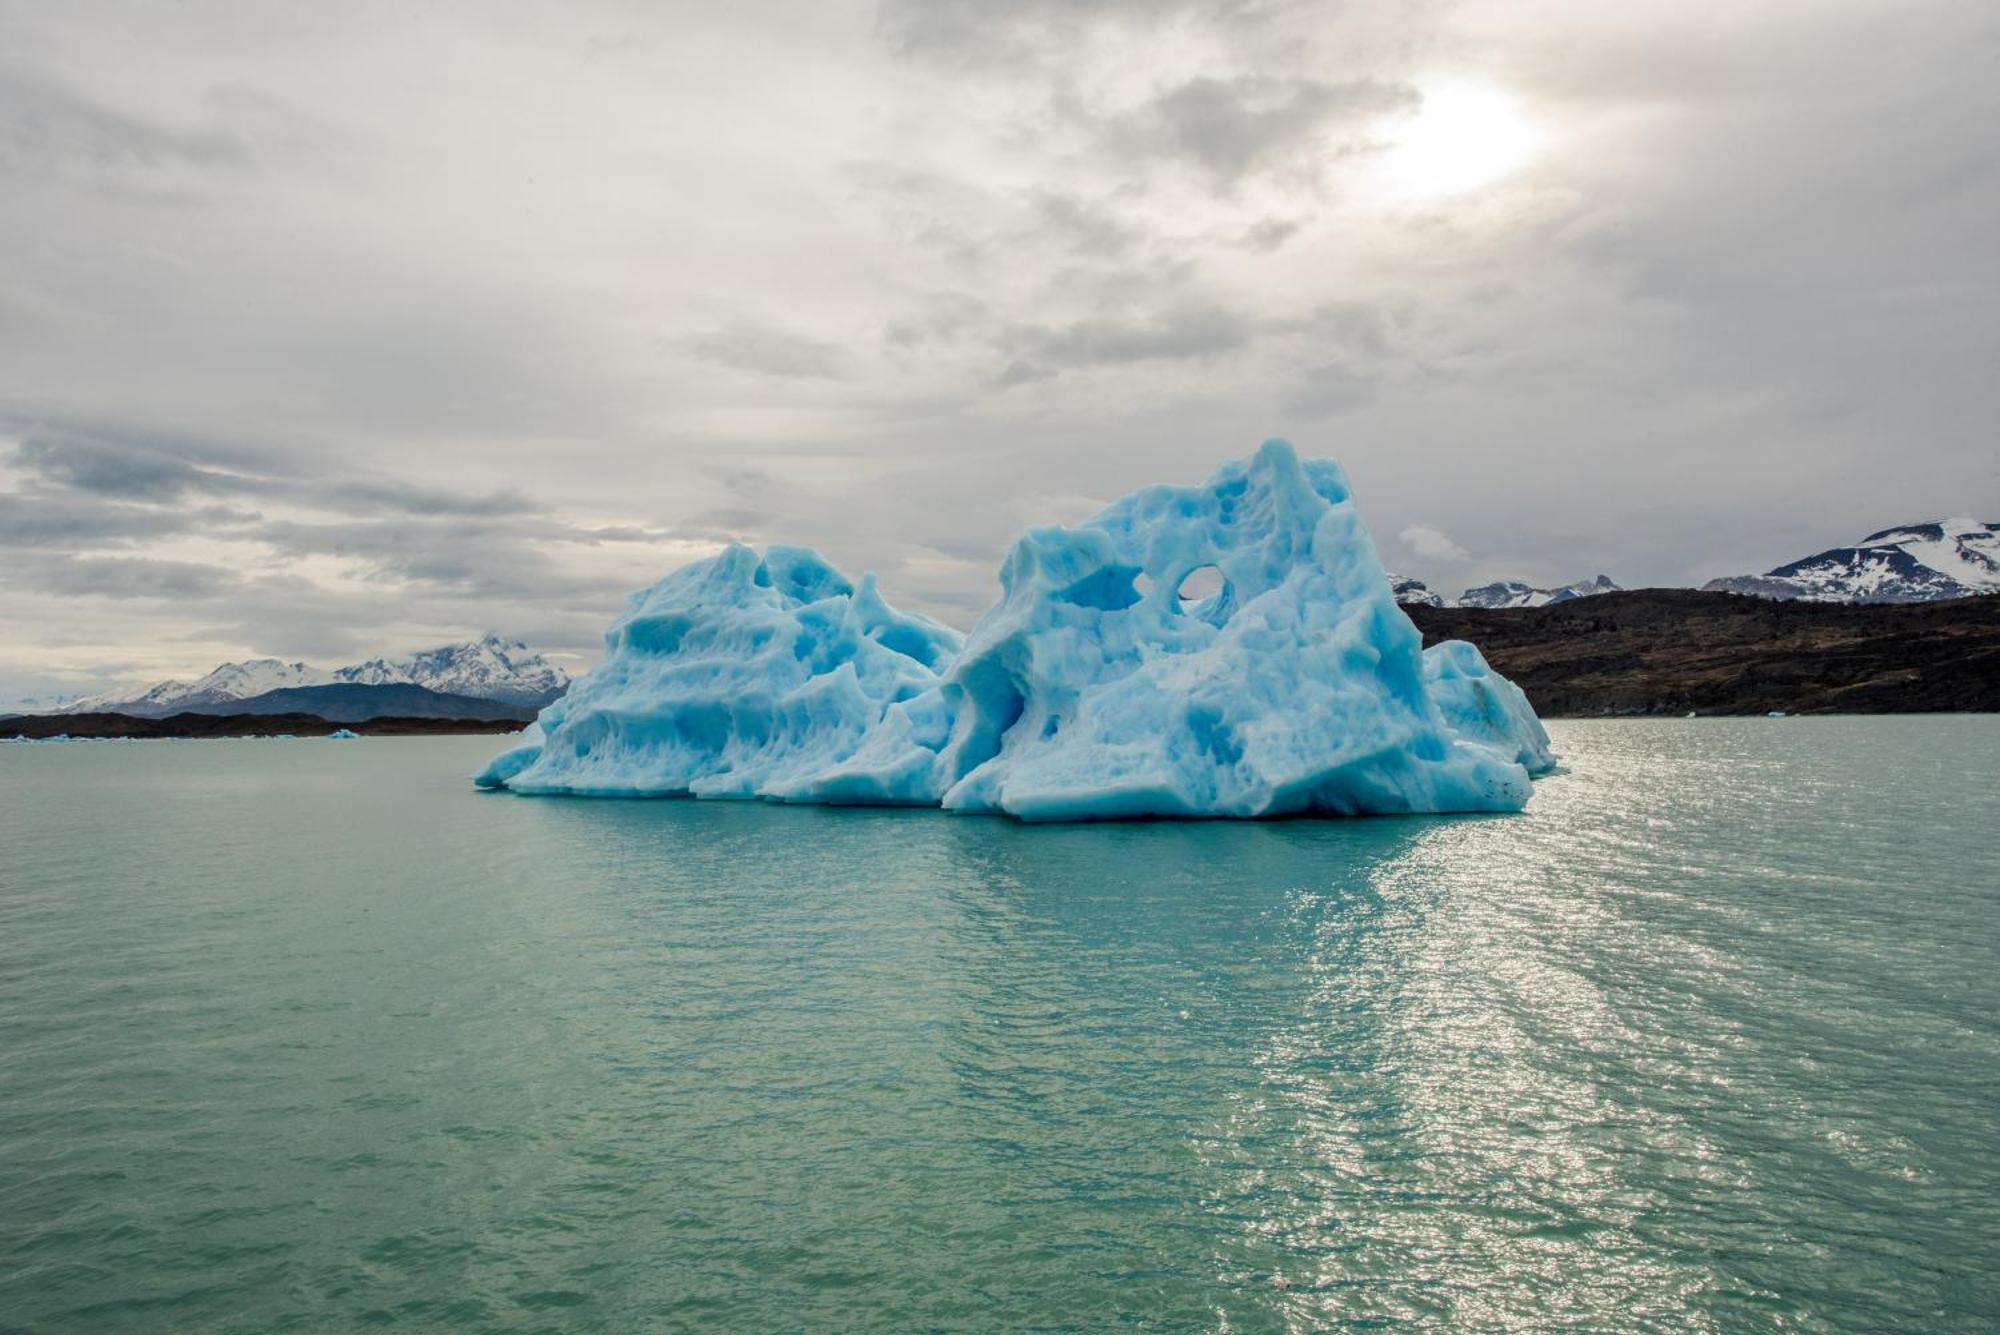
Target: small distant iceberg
[
  {"x": 1232, "y": 649},
  {"x": 343, "y": 735}
]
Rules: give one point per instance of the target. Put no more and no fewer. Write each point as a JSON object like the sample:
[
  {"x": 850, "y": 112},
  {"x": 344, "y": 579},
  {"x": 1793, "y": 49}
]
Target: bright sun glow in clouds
[{"x": 1463, "y": 137}]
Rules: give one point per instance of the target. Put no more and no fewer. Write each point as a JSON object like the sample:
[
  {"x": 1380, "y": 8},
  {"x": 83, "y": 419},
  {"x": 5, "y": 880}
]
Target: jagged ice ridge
[{"x": 1092, "y": 690}]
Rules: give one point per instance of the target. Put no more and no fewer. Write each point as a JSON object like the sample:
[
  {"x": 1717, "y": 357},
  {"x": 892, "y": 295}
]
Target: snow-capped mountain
[
  {"x": 1917, "y": 563},
  {"x": 1413, "y": 592},
  {"x": 489, "y": 668},
  {"x": 230, "y": 681},
  {"x": 1513, "y": 593}
]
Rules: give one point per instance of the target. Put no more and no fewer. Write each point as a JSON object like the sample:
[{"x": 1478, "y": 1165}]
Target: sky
[{"x": 329, "y": 331}]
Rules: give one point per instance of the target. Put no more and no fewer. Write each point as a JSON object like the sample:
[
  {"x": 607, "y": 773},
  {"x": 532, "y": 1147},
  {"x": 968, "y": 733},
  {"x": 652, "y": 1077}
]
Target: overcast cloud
[{"x": 334, "y": 330}]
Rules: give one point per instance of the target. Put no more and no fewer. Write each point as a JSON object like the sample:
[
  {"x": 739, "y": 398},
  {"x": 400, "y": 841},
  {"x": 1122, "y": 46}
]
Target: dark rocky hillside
[
  {"x": 1668, "y": 651},
  {"x": 353, "y": 703},
  {"x": 234, "y": 725}
]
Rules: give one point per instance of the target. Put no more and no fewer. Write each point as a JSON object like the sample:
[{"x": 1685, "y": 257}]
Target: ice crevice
[{"x": 1224, "y": 650}]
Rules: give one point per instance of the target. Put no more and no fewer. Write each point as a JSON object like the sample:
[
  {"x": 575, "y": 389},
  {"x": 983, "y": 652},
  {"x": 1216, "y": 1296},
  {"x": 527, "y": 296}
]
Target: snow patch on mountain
[
  {"x": 1915, "y": 563},
  {"x": 490, "y": 668},
  {"x": 1411, "y": 592},
  {"x": 229, "y": 681},
  {"x": 1513, "y": 593}
]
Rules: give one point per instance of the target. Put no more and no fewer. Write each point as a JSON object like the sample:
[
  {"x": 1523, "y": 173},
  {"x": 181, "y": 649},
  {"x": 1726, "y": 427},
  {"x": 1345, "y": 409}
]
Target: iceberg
[
  {"x": 1231, "y": 649},
  {"x": 738, "y": 676}
]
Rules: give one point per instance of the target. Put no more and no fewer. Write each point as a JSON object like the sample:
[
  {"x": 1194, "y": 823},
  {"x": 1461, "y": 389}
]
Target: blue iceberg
[
  {"x": 738, "y": 676},
  {"x": 1225, "y": 650}
]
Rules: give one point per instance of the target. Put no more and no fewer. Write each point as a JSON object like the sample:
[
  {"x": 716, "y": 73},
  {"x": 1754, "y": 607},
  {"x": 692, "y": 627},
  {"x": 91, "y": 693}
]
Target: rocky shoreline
[{"x": 1676, "y": 651}]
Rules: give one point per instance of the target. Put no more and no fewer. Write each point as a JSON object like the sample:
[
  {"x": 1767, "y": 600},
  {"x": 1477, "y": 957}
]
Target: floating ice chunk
[
  {"x": 738, "y": 676},
  {"x": 1229, "y": 649},
  {"x": 343, "y": 735}
]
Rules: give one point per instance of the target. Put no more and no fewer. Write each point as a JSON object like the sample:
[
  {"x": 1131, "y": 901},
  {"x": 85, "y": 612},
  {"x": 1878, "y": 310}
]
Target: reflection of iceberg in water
[
  {"x": 1023, "y": 1031},
  {"x": 1228, "y": 649}
]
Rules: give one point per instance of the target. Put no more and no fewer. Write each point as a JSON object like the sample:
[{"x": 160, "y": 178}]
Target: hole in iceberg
[
  {"x": 1204, "y": 594},
  {"x": 1201, "y": 584}
]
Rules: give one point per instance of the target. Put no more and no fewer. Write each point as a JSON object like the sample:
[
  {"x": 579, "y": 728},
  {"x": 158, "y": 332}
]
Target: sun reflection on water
[{"x": 1457, "y": 1103}]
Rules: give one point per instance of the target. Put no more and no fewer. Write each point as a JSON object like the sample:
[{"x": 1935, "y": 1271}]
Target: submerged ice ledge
[{"x": 1230, "y": 649}]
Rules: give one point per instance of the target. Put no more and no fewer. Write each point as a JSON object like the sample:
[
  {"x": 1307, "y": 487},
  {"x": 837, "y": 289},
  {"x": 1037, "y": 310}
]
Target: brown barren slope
[{"x": 1668, "y": 651}]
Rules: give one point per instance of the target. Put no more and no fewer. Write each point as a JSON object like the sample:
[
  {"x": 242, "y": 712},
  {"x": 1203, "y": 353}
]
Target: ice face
[
  {"x": 738, "y": 676},
  {"x": 1485, "y": 708},
  {"x": 1229, "y": 649}
]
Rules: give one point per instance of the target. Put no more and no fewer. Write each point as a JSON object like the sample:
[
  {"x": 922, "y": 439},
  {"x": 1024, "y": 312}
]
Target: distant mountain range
[
  {"x": 349, "y": 702},
  {"x": 1508, "y": 593},
  {"x": 482, "y": 671},
  {"x": 1917, "y": 563},
  {"x": 1513, "y": 593}
]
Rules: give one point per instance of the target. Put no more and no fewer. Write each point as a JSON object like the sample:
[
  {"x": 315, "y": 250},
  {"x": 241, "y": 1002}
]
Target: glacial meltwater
[{"x": 312, "y": 1035}]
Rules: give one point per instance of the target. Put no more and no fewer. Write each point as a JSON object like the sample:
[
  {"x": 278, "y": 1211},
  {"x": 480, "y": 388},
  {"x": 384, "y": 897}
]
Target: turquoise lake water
[{"x": 311, "y": 1035}]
